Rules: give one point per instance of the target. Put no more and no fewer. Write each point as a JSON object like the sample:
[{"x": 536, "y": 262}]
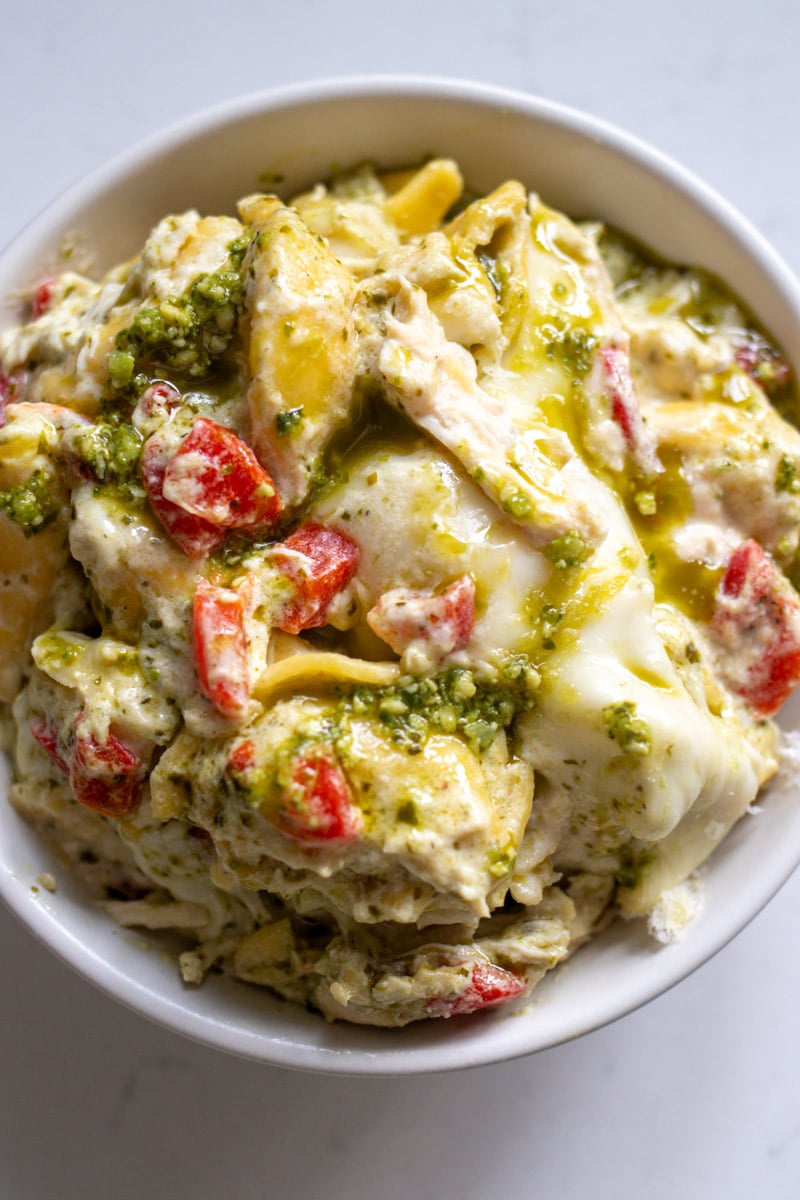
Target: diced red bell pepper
[
  {"x": 42, "y": 299},
  {"x": 194, "y": 536},
  {"x": 46, "y": 734},
  {"x": 220, "y": 648},
  {"x": 762, "y": 363},
  {"x": 159, "y": 399},
  {"x": 242, "y": 757},
  {"x": 488, "y": 987},
  {"x": 445, "y": 619},
  {"x": 318, "y": 806},
  {"x": 330, "y": 560},
  {"x": 215, "y": 476},
  {"x": 757, "y": 624},
  {"x": 624, "y": 407},
  {"x": 105, "y": 776}
]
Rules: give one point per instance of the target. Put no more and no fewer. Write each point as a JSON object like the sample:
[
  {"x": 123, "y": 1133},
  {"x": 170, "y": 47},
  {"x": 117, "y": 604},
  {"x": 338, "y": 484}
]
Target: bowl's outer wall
[{"x": 285, "y": 143}]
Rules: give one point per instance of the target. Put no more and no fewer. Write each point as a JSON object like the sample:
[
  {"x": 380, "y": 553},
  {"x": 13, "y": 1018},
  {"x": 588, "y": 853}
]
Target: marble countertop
[{"x": 696, "y": 1095}]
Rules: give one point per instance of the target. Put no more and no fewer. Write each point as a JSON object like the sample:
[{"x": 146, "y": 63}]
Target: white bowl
[{"x": 579, "y": 164}]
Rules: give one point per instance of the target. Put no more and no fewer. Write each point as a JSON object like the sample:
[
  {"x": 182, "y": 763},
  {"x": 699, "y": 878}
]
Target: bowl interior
[{"x": 285, "y": 141}]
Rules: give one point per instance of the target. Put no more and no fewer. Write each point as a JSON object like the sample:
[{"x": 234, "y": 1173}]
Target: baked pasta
[{"x": 396, "y": 586}]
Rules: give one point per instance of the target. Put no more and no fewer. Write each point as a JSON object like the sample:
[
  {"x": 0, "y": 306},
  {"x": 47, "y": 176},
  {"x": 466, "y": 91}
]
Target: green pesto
[
  {"x": 501, "y": 860},
  {"x": 568, "y": 550},
  {"x": 287, "y": 421},
  {"x": 517, "y": 505},
  {"x": 455, "y": 701},
  {"x": 408, "y": 814},
  {"x": 187, "y": 333},
  {"x": 630, "y": 732},
  {"x": 633, "y": 863},
  {"x": 550, "y": 618},
  {"x": 494, "y": 272},
  {"x": 31, "y": 504},
  {"x": 55, "y": 651},
  {"x": 786, "y": 475},
  {"x": 112, "y": 452},
  {"x": 573, "y": 347}
]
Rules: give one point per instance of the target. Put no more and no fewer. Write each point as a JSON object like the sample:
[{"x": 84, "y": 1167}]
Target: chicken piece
[
  {"x": 434, "y": 383},
  {"x": 181, "y": 248},
  {"x": 302, "y": 352}
]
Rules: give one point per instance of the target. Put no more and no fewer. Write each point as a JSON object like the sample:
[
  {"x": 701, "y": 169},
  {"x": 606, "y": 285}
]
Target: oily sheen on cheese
[{"x": 398, "y": 586}]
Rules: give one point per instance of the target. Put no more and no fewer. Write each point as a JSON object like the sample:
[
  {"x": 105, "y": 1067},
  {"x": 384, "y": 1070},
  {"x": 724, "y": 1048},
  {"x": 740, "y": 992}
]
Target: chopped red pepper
[
  {"x": 215, "y": 476},
  {"x": 42, "y": 299},
  {"x": 762, "y": 363},
  {"x": 211, "y": 483},
  {"x": 317, "y": 806},
  {"x": 488, "y": 987},
  {"x": 243, "y": 756},
  {"x": 625, "y": 411},
  {"x": 330, "y": 560},
  {"x": 757, "y": 621},
  {"x": 46, "y": 734},
  {"x": 220, "y": 648},
  {"x": 105, "y": 776},
  {"x": 159, "y": 399},
  {"x": 446, "y": 619},
  {"x": 192, "y": 534}
]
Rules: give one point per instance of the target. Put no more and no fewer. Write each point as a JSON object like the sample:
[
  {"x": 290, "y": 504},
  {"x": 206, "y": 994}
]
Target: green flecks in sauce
[
  {"x": 287, "y": 421},
  {"x": 408, "y": 813},
  {"x": 786, "y": 475}
]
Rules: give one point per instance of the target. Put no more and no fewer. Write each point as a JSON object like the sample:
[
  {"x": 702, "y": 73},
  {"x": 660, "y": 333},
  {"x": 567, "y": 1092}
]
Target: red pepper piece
[
  {"x": 215, "y": 476},
  {"x": 194, "y": 536},
  {"x": 330, "y": 560},
  {"x": 488, "y": 987},
  {"x": 242, "y": 757},
  {"x": 625, "y": 410},
  {"x": 46, "y": 735},
  {"x": 159, "y": 399},
  {"x": 762, "y": 363},
  {"x": 220, "y": 648},
  {"x": 105, "y": 776},
  {"x": 42, "y": 299},
  {"x": 757, "y": 622},
  {"x": 445, "y": 618},
  {"x": 317, "y": 806}
]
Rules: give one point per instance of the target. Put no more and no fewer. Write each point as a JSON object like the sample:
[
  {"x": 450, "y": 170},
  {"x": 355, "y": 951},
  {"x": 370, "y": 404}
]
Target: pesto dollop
[
  {"x": 186, "y": 333},
  {"x": 31, "y": 504},
  {"x": 454, "y": 701}
]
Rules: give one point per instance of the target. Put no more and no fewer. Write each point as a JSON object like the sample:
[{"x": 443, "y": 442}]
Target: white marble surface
[{"x": 695, "y": 1096}]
